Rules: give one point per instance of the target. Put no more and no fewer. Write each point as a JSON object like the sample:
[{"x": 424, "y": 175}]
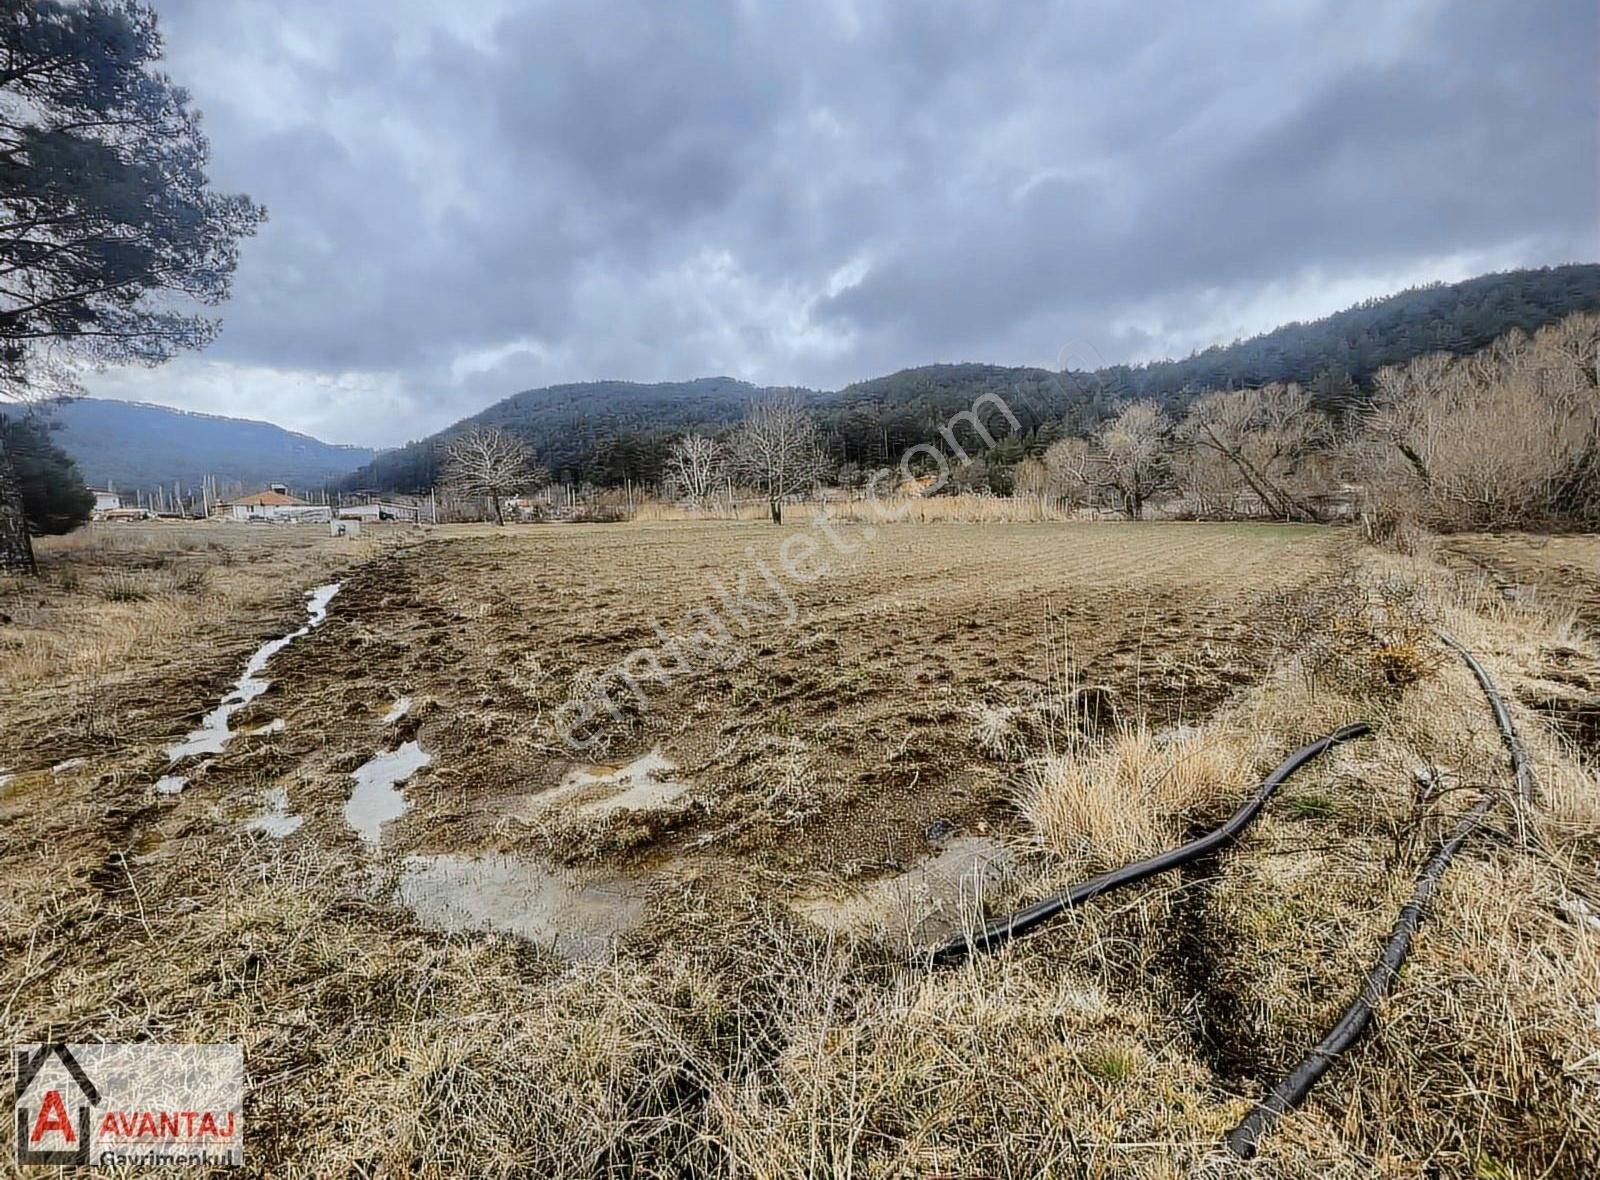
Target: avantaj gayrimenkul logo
[{"x": 147, "y": 1104}]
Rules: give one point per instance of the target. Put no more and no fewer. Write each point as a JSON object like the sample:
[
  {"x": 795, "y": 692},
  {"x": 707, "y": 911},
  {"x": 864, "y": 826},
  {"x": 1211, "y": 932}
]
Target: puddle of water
[
  {"x": 275, "y": 819},
  {"x": 376, "y": 799},
  {"x": 401, "y": 708},
  {"x": 639, "y": 785},
  {"x": 578, "y": 916},
  {"x": 212, "y": 734},
  {"x": 171, "y": 784},
  {"x": 69, "y": 764},
  {"x": 932, "y": 899}
]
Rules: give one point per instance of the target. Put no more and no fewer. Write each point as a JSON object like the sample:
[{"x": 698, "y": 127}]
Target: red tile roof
[{"x": 264, "y": 499}]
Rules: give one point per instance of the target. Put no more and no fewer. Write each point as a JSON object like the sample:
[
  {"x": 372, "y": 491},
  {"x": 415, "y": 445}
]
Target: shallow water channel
[{"x": 213, "y": 733}]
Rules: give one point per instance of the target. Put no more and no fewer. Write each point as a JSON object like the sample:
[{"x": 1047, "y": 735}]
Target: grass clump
[
  {"x": 1111, "y": 800},
  {"x": 127, "y": 587}
]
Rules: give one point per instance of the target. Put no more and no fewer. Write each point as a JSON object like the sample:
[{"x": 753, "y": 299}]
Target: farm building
[
  {"x": 105, "y": 500},
  {"x": 380, "y": 510},
  {"x": 275, "y": 503}
]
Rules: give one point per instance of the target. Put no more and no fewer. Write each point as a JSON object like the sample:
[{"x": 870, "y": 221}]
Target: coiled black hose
[
  {"x": 1288, "y": 1094},
  {"x": 996, "y": 934}
]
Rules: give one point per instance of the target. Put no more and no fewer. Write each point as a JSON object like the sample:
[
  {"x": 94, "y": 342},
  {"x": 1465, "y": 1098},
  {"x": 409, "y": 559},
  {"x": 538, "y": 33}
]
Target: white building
[{"x": 273, "y": 504}]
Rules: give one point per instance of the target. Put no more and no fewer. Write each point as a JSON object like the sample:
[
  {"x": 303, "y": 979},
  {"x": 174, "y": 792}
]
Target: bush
[{"x": 1359, "y": 633}]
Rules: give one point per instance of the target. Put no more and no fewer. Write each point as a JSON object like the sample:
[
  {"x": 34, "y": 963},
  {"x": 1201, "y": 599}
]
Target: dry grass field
[{"x": 688, "y": 947}]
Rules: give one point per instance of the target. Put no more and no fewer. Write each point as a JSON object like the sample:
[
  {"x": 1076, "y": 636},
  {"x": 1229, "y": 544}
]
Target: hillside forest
[{"x": 1470, "y": 405}]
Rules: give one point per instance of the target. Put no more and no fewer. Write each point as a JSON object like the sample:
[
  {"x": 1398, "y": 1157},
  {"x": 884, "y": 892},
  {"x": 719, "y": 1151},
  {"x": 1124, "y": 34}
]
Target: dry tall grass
[
  {"x": 1122, "y": 798},
  {"x": 965, "y": 508},
  {"x": 1486, "y": 1059},
  {"x": 116, "y": 601},
  {"x": 730, "y": 1038}
]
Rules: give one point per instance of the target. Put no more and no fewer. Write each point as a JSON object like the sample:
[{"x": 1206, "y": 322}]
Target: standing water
[
  {"x": 213, "y": 734},
  {"x": 274, "y": 818},
  {"x": 375, "y": 800},
  {"x": 578, "y": 915}
]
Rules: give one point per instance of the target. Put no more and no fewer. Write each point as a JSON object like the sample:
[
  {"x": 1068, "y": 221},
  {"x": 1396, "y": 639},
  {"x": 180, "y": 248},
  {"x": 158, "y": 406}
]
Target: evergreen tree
[
  {"x": 107, "y": 222},
  {"x": 54, "y": 498}
]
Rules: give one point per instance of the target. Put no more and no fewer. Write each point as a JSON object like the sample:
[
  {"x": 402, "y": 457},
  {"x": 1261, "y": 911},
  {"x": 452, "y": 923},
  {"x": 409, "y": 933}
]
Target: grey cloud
[{"x": 470, "y": 199}]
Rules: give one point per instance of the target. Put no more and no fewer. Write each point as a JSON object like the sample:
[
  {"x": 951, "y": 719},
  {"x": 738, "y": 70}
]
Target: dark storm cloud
[{"x": 474, "y": 198}]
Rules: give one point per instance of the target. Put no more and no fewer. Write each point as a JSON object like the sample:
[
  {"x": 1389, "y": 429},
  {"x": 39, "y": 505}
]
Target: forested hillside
[
  {"x": 600, "y": 431},
  {"x": 1350, "y": 346},
  {"x": 135, "y": 445},
  {"x": 610, "y": 431}
]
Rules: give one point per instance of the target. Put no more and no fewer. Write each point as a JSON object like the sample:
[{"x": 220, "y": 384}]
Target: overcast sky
[{"x": 475, "y": 197}]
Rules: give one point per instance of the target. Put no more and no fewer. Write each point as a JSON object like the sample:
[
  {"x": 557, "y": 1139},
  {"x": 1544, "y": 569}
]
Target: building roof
[{"x": 269, "y": 499}]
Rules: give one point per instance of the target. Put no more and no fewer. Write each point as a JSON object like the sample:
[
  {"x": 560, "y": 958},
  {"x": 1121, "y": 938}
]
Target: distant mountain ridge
[
  {"x": 606, "y": 432},
  {"x": 141, "y": 445}
]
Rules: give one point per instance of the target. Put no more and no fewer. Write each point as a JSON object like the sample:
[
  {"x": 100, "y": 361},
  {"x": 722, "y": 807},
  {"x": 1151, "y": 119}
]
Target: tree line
[
  {"x": 1506, "y": 437},
  {"x": 610, "y": 433}
]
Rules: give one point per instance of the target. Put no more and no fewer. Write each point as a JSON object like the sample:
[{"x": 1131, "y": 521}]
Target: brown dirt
[
  {"x": 1563, "y": 570},
  {"x": 816, "y": 764},
  {"x": 840, "y": 737},
  {"x": 842, "y": 734}
]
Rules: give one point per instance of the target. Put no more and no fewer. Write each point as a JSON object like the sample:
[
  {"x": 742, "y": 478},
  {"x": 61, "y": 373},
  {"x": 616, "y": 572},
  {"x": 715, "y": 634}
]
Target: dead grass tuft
[{"x": 1123, "y": 797}]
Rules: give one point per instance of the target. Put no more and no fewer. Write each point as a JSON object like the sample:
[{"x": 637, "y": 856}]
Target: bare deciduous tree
[
  {"x": 1133, "y": 455},
  {"x": 1509, "y": 437},
  {"x": 699, "y": 466},
  {"x": 1210, "y": 483},
  {"x": 777, "y": 448},
  {"x": 488, "y": 462},
  {"x": 1126, "y": 462},
  {"x": 1069, "y": 465},
  {"x": 1270, "y": 437}
]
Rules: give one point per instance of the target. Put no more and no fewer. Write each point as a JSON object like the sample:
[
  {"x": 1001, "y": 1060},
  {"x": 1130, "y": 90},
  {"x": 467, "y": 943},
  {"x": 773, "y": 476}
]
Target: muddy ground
[
  {"x": 842, "y": 737},
  {"x": 859, "y": 712},
  {"x": 858, "y": 717},
  {"x": 1562, "y": 572},
  {"x": 854, "y": 759}
]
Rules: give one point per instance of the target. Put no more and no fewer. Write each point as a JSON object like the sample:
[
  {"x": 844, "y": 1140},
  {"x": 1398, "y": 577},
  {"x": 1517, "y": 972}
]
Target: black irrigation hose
[
  {"x": 1291, "y": 1092},
  {"x": 1027, "y": 918},
  {"x": 1288, "y": 1094},
  {"x": 1520, "y": 766}
]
